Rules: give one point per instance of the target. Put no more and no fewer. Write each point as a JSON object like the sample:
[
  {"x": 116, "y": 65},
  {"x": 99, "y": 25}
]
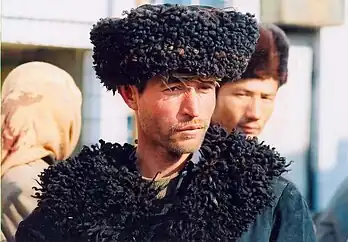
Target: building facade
[{"x": 57, "y": 31}]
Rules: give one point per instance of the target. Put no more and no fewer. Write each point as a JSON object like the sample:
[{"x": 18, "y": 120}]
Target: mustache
[{"x": 197, "y": 124}]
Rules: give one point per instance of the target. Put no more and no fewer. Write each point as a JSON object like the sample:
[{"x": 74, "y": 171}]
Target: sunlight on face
[
  {"x": 176, "y": 114},
  {"x": 246, "y": 105}
]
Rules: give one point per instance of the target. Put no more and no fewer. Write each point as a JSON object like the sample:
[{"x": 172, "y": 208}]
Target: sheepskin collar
[{"x": 100, "y": 196}]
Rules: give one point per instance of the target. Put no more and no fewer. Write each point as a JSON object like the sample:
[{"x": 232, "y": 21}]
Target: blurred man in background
[{"x": 248, "y": 104}]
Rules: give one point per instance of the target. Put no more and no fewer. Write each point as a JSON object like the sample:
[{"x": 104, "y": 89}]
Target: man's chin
[
  {"x": 185, "y": 146},
  {"x": 251, "y": 134}
]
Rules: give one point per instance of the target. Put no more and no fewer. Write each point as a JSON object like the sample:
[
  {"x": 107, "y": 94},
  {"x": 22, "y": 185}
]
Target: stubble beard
[
  {"x": 172, "y": 141},
  {"x": 180, "y": 147}
]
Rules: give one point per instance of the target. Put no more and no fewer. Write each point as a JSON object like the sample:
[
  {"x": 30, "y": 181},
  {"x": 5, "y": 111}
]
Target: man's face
[
  {"x": 176, "y": 115},
  {"x": 246, "y": 105}
]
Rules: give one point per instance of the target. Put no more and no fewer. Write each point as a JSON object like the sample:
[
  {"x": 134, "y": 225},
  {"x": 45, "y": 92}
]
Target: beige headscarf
[{"x": 40, "y": 116}]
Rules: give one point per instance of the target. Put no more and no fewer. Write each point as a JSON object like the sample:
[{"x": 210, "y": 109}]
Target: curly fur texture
[
  {"x": 99, "y": 195},
  {"x": 162, "y": 39}
]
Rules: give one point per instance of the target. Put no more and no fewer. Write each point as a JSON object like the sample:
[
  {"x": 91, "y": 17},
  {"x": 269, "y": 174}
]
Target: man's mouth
[
  {"x": 190, "y": 128},
  {"x": 249, "y": 129}
]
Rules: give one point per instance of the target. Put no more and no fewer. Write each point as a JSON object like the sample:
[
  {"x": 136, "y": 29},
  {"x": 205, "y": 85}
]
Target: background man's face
[
  {"x": 246, "y": 105},
  {"x": 176, "y": 115}
]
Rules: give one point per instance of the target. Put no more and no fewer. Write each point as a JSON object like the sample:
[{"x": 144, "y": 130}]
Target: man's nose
[
  {"x": 254, "y": 109},
  {"x": 190, "y": 103}
]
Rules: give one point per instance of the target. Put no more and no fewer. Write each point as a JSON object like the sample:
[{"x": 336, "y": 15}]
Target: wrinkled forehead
[{"x": 181, "y": 77}]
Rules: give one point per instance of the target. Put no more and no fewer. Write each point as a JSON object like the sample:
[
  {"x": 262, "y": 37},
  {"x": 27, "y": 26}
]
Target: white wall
[
  {"x": 333, "y": 111},
  {"x": 251, "y": 6},
  {"x": 105, "y": 115},
  {"x": 288, "y": 130},
  {"x": 62, "y": 23}
]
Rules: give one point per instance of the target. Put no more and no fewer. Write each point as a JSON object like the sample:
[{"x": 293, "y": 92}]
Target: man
[
  {"x": 183, "y": 181},
  {"x": 248, "y": 104}
]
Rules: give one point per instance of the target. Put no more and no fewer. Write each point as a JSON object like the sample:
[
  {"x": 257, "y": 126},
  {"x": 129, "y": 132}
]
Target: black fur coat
[{"x": 100, "y": 196}]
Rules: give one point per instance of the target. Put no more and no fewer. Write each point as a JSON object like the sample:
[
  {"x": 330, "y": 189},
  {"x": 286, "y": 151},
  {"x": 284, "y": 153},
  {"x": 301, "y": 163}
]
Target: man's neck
[{"x": 156, "y": 162}]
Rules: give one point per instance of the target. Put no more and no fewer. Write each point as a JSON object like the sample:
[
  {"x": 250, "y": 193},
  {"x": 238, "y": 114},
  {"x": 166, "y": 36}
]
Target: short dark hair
[
  {"x": 270, "y": 59},
  {"x": 141, "y": 87}
]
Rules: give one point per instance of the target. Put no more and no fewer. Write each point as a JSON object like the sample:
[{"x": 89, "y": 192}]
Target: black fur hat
[{"x": 164, "y": 39}]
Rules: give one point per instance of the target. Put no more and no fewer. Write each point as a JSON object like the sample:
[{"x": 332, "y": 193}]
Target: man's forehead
[
  {"x": 182, "y": 77},
  {"x": 254, "y": 85}
]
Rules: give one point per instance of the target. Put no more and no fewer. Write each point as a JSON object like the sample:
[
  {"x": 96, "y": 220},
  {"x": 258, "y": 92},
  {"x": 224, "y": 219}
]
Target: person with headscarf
[{"x": 40, "y": 123}]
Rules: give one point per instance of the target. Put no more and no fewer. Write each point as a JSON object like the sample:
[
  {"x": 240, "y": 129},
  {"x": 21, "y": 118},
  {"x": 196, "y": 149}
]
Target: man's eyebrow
[
  {"x": 247, "y": 91},
  {"x": 165, "y": 82},
  {"x": 240, "y": 89},
  {"x": 173, "y": 79},
  {"x": 212, "y": 82},
  {"x": 268, "y": 94}
]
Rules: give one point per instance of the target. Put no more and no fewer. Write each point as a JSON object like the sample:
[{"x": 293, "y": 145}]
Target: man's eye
[
  {"x": 240, "y": 94},
  {"x": 174, "y": 89},
  {"x": 268, "y": 98},
  {"x": 206, "y": 87}
]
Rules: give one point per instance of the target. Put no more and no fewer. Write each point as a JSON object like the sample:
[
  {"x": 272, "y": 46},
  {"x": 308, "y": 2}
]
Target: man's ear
[{"x": 130, "y": 96}]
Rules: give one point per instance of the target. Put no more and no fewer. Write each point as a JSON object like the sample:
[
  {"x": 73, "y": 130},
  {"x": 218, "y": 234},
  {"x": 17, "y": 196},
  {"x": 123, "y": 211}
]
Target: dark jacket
[
  {"x": 288, "y": 219},
  {"x": 332, "y": 224},
  {"x": 233, "y": 192}
]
